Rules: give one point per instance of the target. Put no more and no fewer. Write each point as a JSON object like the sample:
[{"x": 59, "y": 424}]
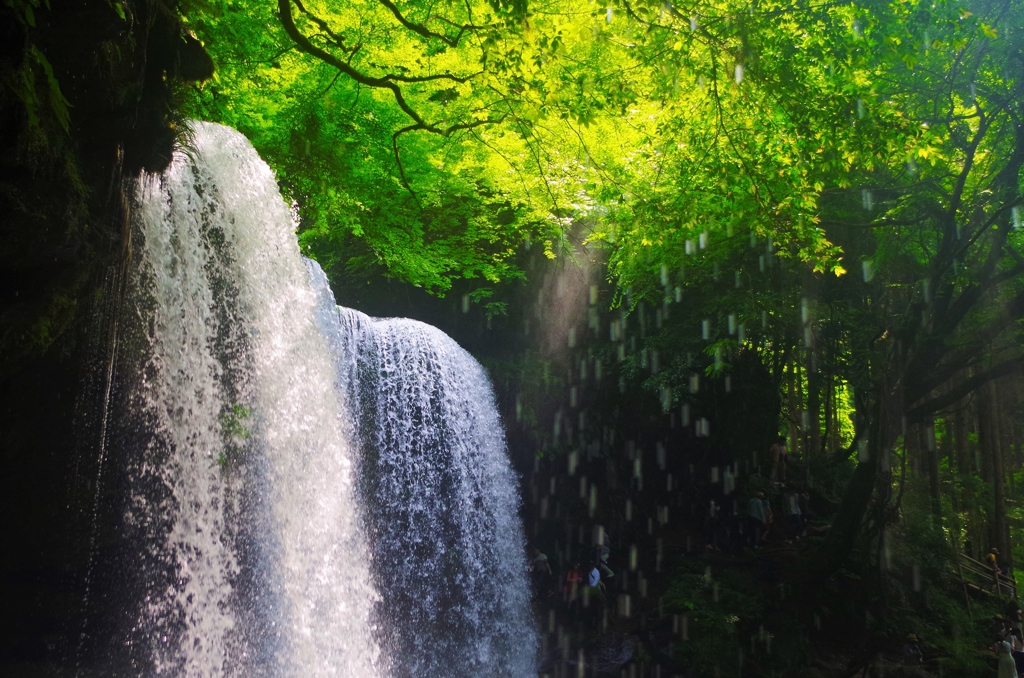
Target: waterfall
[
  {"x": 240, "y": 533},
  {"x": 440, "y": 498},
  {"x": 243, "y": 489}
]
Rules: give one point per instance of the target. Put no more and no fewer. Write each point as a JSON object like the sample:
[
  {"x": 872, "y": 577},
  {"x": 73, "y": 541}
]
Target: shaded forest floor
[{"x": 718, "y": 607}]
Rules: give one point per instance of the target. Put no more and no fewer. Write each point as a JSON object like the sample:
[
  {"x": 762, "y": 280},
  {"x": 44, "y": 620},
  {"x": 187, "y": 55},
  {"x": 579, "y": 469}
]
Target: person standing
[
  {"x": 757, "y": 519},
  {"x": 601, "y": 553},
  {"x": 791, "y": 509},
  {"x": 1016, "y": 640},
  {"x": 572, "y": 582},
  {"x": 912, "y": 651},
  {"x": 594, "y": 577},
  {"x": 541, "y": 570},
  {"x": 1015, "y": 615},
  {"x": 1007, "y": 668},
  {"x": 539, "y": 564},
  {"x": 992, "y": 559}
]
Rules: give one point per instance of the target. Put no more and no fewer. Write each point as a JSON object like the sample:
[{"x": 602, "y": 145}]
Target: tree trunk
[
  {"x": 1004, "y": 398},
  {"x": 795, "y": 407},
  {"x": 965, "y": 471},
  {"x": 847, "y": 524},
  {"x": 912, "y": 447},
  {"x": 931, "y": 458},
  {"x": 963, "y": 451},
  {"x": 992, "y": 450},
  {"x": 814, "y": 380}
]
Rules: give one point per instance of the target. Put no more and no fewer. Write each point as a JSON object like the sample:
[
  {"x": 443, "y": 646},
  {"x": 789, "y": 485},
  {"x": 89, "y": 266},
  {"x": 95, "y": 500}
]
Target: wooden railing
[{"x": 982, "y": 576}]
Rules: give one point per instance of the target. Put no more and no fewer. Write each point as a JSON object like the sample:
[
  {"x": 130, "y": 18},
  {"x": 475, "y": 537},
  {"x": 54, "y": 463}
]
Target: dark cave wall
[{"x": 87, "y": 93}]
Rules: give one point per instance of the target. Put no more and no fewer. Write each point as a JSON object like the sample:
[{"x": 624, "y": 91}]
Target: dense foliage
[{"x": 832, "y": 191}]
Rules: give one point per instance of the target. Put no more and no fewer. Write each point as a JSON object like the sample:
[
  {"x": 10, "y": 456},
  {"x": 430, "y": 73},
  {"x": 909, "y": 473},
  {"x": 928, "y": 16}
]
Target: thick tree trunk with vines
[
  {"x": 846, "y": 527},
  {"x": 992, "y": 450}
]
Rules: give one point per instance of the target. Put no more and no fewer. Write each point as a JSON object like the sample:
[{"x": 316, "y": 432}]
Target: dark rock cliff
[{"x": 87, "y": 91}]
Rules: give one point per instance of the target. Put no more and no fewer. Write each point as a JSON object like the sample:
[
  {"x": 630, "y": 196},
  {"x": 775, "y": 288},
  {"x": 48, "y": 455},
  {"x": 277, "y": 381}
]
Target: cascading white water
[
  {"x": 247, "y": 450},
  {"x": 440, "y": 498},
  {"x": 248, "y": 546}
]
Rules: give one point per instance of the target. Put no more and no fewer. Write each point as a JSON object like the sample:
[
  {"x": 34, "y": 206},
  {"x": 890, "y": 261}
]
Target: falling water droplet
[
  {"x": 867, "y": 199},
  {"x": 862, "y": 451}
]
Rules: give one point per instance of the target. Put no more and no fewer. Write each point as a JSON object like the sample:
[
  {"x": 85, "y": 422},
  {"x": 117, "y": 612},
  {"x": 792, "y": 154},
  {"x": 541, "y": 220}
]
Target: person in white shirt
[{"x": 1007, "y": 668}]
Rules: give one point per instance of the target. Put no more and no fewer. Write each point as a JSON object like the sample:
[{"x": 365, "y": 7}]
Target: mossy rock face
[{"x": 86, "y": 100}]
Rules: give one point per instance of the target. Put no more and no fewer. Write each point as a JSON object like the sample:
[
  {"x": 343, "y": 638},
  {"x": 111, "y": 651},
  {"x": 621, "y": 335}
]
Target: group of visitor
[
  {"x": 1009, "y": 642},
  {"x": 794, "y": 507},
  {"x": 588, "y": 574}
]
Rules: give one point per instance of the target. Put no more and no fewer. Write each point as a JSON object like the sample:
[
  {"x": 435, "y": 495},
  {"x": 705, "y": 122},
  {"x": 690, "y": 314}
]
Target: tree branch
[
  {"x": 421, "y": 30},
  {"x": 969, "y": 385},
  {"x": 288, "y": 22},
  {"x": 387, "y": 82}
]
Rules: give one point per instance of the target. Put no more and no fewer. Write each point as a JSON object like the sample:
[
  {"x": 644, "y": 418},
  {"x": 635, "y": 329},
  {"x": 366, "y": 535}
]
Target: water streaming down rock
[
  {"x": 440, "y": 498},
  {"x": 230, "y": 540},
  {"x": 240, "y": 544}
]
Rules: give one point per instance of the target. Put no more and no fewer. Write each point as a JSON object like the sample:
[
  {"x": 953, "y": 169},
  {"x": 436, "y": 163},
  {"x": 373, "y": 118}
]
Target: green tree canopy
[{"x": 833, "y": 185}]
